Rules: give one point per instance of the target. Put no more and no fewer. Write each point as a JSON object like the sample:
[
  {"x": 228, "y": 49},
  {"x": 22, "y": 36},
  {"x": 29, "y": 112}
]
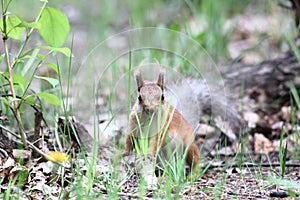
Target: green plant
[
  {"x": 295, "y": 107},
  {"x": 282, "y": 153},
  {"x": 19, "y": 179},
  {"x": 212, "y": 35},
  {"x": 295, "y": 95},
  {"x": 23, "y": 63},
  {"x": 292, "y": 186}
]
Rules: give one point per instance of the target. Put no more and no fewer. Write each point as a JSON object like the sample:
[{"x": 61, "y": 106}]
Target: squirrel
[
  {"x": 201, "y": 103},
  {"x": 151, "y": 104}
]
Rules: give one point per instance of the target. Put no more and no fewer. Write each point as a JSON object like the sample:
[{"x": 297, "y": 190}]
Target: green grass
[{"x": 99, "y": 21}]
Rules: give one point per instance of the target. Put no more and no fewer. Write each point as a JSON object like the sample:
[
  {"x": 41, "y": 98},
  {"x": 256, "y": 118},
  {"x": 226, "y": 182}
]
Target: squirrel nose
[{"x": 152, "y": 107}]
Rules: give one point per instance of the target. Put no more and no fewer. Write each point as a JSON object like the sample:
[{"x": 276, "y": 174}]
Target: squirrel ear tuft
[
  {"x": 161, "y": 79},
  {"x": 139, "y": 80}
]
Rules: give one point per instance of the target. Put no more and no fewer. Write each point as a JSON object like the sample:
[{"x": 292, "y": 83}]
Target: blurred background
[
  {"x": 248, "y": 31},
  {"x": 232, "y": 30}
]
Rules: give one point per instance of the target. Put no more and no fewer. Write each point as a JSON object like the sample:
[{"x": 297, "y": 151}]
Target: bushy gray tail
[{"x": 194, "y": 100}]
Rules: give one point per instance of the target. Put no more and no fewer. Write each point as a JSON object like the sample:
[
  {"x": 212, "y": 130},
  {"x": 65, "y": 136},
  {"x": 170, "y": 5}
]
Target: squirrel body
[{"x": 152, "y": 115}]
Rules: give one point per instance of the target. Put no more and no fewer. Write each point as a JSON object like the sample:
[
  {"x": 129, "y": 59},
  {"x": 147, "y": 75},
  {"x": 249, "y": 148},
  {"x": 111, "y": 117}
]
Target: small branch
[
  {"x": 38, "y": 117},
  {"x": 243, "y": 195},
  {"x": 253, "y": 165},
  {"x": 32, "y": 106},
  {"x": 31, "y": 144}
]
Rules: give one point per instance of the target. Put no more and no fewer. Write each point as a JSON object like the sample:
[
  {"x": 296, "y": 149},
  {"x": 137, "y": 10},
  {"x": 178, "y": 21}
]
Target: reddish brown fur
[
  {"x": 184, "y": 130},
  {"x": 177, "y": 125}
]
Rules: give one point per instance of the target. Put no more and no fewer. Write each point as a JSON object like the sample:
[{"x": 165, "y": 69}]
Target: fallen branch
[{"x": 216, "y": 165}]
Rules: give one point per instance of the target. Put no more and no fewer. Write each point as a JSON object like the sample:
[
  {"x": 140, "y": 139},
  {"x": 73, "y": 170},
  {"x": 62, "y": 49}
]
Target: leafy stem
[
  {"x": 32, "y": 77},
  {"x": 28, "y": 36},
  {"x": 10, "y": 78}
]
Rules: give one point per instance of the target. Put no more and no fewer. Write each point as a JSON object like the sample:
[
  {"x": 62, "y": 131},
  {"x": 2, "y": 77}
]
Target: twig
[
  {"x": 38, "y": 117},
  {"x": 32, "y": 106},
  {"x": 244, "y": 195},
  {"x": 31, "y": 144},
  {"x": 212, "y": 165}
]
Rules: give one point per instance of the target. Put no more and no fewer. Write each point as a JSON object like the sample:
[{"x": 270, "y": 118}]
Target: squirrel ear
[
  {"x": 160, "y": 80},
  {"x": 139, "y": 80}
]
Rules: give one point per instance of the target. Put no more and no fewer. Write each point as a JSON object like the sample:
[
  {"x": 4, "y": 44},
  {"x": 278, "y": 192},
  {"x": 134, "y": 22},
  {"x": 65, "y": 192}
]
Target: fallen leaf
[
  {"x": 8, "y": 163},
  {"x": 262, "y": 144},
  {"x": 21, "y": 154}
]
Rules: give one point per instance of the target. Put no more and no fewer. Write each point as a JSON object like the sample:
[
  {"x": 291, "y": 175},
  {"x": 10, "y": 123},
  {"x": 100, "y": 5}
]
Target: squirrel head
[{"x": 150, "y": 94}]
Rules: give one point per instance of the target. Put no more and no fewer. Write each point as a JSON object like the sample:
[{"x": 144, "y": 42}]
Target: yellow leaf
[{"x": 56, "y": 156}]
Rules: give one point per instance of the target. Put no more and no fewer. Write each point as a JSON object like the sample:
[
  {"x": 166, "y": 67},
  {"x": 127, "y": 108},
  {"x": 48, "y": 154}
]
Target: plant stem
[
  {"x": 10, "y": 78},
  {"x": 28, "y": 36},
  {"x": 32, "y": 145}
]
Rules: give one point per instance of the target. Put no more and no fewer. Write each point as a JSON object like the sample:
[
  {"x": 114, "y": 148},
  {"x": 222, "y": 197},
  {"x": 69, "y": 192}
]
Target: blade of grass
[
  {"x": 282, "y": 152},
  {"x": 295, "y": 95}
]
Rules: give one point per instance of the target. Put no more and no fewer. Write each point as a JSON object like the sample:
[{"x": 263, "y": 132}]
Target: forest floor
[{"x": 259, "y": 167}]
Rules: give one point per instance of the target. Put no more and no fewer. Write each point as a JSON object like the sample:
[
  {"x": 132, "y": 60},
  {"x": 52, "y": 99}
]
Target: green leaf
[
  {"x": 5, "y": 101},
  {"x": 20, "y": 80},
  {"x": 30, "y": 62},
  {"x": 29, "y": 100},
  {"x": 66, "y": 51},
  {"x": 36, "y": 25},
  {"x": 201, "y": 37},
  {"x": 175, "y": 27},
  {"x": 54, "y": 67},
  {"x": 295, "y": 95},
  {"x": 54, "y": 27},
  {"x": 50, "y": 98},
  {"x": 292, "y": 193},
  {"x": 41, "y": 57},
  {"x": 11, "y": 99},
  {"x": 54, "y": 82},
  {"x": 284, "y": 183},
  {"x": 1, "y": 57},
  {"x": 17, "y": 79},
  {"x": 14, "y": 27},
  {"x": 26, "y": 57}
]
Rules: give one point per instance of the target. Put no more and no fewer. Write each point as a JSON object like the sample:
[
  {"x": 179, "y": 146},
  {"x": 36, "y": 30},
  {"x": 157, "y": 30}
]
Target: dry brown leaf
[
  {"x": 262, "y": 144},
  {"x": 8, "y": 163},
  {"x": 21, "y": 154},
  {"x": 286, "y": 112}
]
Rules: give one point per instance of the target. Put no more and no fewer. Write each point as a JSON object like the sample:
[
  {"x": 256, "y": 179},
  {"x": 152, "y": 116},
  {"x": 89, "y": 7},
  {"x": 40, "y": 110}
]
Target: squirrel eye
[
  {"x": 162, "y": 97},
  {"x": 140, "y": 98}
]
